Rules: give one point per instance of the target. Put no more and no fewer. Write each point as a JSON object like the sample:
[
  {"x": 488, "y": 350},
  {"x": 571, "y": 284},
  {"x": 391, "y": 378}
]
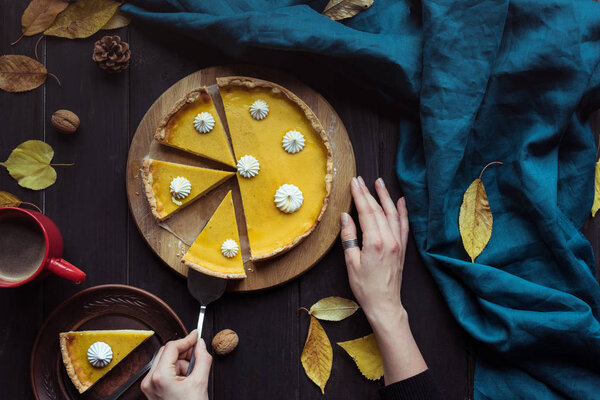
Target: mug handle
[{"x": 66, "y": 270}]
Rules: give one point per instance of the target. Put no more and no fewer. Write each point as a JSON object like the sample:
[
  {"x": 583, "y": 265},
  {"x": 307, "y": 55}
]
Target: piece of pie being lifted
[
  {"x": 216, "y": 250},
  {"x": 285, "y": 166},
  {"x": 193, "y": 125},
  {"x": 89, "y": 355},
  {"x": 170, "y": 186}
]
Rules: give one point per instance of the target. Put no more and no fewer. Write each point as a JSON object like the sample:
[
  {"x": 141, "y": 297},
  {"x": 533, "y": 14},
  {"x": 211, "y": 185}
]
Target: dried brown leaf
[
  {"x": 118, "y": 20},
  {"x": 20, "y": 73},
  {"x": 317, "y": 356},
  {"x": 342, "y": 9},
  {"x": 40, "y": 14},
  {"x": 9, "y": 200},
  {"x": 83, "y": 18}
]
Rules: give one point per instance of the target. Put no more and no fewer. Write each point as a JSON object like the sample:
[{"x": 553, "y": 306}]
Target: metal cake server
[{"x": 205, "y": 289}]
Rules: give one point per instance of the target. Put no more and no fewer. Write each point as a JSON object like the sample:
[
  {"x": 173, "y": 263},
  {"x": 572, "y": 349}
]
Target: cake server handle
[{"x": 200, "y": 323}]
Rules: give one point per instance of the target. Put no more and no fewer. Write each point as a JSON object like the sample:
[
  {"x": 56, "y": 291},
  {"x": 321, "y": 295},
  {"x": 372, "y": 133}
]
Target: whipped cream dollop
[
  {"x": 259, "y": 109},
  {"x": 293, "y": 142},
  {"x": 204, "y": 122},
  {"x": 99, "y": 354},
  {"x": 229, "y": 248},
  {"x": 180, "y": 188},
  {"x": 248, "y": 166},
  {"x": 288, "y": 198}
]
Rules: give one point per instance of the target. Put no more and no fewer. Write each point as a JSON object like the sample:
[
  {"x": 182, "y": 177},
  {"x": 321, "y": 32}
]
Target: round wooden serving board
[{"x": 171, "y": 239}]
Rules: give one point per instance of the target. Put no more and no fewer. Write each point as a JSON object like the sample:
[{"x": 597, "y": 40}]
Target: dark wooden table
[{"x": 89, "y": 204}]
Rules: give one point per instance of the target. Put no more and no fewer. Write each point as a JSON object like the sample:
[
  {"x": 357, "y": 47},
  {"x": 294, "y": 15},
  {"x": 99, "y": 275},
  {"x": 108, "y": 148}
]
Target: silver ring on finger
[{"x": 348, "y": 244}]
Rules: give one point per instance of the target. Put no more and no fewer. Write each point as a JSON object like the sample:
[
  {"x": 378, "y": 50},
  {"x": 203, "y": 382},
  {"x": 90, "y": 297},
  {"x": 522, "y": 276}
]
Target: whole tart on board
[
  {"x": 206, "y": 255},
  {"x": 271, "y": 231},
  {"x": 157, "y": 176},
  {"x": 74, "y": 347},
  {"x": 177, "y": 129}
]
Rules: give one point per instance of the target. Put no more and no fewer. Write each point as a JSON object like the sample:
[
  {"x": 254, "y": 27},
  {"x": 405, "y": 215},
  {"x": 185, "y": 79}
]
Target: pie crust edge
[
  {"x": 210, "y": 272},
  {"x": 249, "y": 83},
  {"x": 80, "y": 386}
]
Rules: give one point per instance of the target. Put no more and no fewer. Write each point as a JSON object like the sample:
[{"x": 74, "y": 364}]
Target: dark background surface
[{"x": 89, "y": 204}]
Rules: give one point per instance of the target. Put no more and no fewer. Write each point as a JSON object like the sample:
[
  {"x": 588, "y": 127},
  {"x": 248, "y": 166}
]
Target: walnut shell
[
  {"x": 225, "y": 341},
  {"x": 65, "y": 121}
]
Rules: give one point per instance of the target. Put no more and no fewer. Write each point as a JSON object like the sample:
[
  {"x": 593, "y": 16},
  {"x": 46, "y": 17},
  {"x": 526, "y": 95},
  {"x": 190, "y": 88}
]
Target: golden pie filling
[
  {"x": 74, "y": 348},
  {"x": 210, "y": 253},
  {"x": 271, "y": 231},
  {"x": 178, "y": 129},
  {"x": 158, "y": 176}
]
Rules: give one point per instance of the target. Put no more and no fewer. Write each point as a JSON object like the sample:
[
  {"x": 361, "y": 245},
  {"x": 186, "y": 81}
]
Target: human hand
[
  {"x": 167, "y": 378},
  {"x": 375, "y": 271}
]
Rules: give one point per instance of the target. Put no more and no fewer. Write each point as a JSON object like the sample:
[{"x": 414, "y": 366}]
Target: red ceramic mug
[{"x": 51, "y": 262}]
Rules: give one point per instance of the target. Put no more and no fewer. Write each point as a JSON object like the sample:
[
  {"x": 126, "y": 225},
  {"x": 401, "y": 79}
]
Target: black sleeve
[{"x": 418, "y": 387}]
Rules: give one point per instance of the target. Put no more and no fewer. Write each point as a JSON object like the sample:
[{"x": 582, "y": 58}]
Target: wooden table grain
[{"x": 89, "y": 204}]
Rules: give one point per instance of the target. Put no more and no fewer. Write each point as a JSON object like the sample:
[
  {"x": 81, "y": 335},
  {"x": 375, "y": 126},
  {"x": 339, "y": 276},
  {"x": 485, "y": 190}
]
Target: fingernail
[
  {"x": 201, "y": 343},
  {"x": 362, "y": 182},
  {"x": 354, "y": 182},
  {"x": 344, "y": 219},
  {"x": 381, "y": 183}
]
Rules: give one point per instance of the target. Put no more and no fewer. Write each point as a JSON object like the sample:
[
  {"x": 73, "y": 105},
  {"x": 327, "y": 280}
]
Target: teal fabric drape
[{"x": 480, "y": 81}]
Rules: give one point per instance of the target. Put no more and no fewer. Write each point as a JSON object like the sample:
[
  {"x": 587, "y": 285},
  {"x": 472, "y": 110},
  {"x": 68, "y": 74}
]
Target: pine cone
[{"x": 111, "y": 54}]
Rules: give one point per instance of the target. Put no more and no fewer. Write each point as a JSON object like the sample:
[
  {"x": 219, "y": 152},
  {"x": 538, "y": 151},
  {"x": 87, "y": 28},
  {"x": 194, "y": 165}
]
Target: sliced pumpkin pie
[
  {"x": 216, "y": 250},
  {"x": 193, "y": 125},
  {"x": 89, "y": 355},
  {"x": 285, "y": 166},
  {"x": 170, "y": 186}
]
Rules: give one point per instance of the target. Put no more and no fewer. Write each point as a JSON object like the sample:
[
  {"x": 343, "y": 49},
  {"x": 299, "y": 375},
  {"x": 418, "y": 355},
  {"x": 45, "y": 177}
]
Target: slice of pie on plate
[
  {"x": 170, "y": 186},
  {"x": 216, "y": 250},
  {"x": 82, "y": 350},
  {"x": 193, "y": 125},
  {"x": 285, "y": 166}
]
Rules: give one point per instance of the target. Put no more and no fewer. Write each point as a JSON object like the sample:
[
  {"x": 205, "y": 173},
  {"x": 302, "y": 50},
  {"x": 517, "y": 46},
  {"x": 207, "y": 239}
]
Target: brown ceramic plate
[{"x": 101, "y": 307}]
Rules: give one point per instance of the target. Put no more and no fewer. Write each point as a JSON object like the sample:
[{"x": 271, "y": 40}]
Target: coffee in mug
[
  {"x": 31, "y": 247},
  {"x": 22, "y": 247}
]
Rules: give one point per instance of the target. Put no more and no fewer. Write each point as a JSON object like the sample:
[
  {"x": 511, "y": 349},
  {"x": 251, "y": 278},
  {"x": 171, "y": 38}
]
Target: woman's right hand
[
  {"x": 375, "y": 271},
  {"x": 167, "y": 378},
  {"x": 375, "y": 275}
]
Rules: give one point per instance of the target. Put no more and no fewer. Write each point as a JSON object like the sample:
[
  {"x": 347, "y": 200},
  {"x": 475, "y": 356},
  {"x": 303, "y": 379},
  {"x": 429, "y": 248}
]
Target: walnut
[
  {"x": 225, "y": 341},
  {"x": 65, "y": 121}
]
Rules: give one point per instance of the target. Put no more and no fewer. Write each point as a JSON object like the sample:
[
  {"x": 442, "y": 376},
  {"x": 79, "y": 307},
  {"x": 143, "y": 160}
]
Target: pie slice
[
  {"x": 281, "y": 133},
  {"x": 74, "y": 348},
  {"x": 160, "y": 176},
  {"x": 216, "y": 250},
  {"x": 180, "y": 128}
]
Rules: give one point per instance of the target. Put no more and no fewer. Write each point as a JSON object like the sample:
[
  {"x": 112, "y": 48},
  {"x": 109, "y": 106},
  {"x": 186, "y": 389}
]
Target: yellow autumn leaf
[
  {"x": 83, "y": 18},
  {"x": 342, "y": 9},
  {"x": 475, "y": 218},
  {"x": 333, "y": 308},
  {"x": 29, "y": 164},
  {"x": 365, "y": 353},
  {"x": 596, "y": 205},
  {"x": 118, "y": 20},
  {"x": 317, "y": 356},
  {"x": 9, "y": 200}
]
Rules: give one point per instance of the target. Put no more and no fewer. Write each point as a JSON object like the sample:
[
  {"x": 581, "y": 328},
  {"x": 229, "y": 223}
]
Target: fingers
[
  {"x": 403, "y": 220},
  {"x": 173, "y": 351},
  {"x": 202, "y": 364},
  {"x": 380, "y": 218},
  {"x": 366, "y": 215},
  {"x": 391, "y": 213},
  {"x": 348, "y": 232},
  {"x": 181, "y": 367}
]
